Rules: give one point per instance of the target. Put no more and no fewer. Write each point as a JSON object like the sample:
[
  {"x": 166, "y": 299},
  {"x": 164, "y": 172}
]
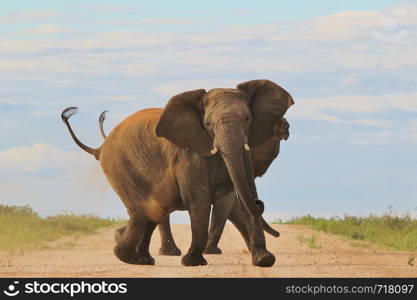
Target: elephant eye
[
  {"x": 247, "y": 118},
  {"x": 208, "y": 124}
]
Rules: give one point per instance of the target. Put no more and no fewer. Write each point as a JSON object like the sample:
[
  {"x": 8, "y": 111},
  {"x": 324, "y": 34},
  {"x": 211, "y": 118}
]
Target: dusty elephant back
[{"x": 134, "y": 159}]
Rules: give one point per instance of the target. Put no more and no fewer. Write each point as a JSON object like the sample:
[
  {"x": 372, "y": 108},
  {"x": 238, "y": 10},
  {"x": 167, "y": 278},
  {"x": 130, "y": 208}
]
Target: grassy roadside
[
  {"x": 389, "y": 230},
  {"x": 22, "y": 228},
  {"x": 311, "y": 241}
]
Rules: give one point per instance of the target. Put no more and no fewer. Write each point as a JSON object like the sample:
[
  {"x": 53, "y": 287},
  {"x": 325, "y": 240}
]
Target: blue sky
[{"x": 350, "y": 65}]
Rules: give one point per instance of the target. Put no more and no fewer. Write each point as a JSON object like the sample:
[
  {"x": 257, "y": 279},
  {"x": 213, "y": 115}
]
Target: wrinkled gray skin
[
  {"x": 187, "y": 156},
  {"x": 227, "y": 207}
]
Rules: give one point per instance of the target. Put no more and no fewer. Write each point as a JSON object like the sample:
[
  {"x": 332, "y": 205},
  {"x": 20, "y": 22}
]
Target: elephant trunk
[
  {"x": 251, "y": 182},
  {"x": 230, "y": 142},
  {"x": 237, "y": 172}
]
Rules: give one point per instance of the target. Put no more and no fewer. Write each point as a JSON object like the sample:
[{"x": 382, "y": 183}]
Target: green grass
[
  {"x": 389, "y": 230},
  {"x": 311, "y": 241},
  {"x": 22, "y": 229}
]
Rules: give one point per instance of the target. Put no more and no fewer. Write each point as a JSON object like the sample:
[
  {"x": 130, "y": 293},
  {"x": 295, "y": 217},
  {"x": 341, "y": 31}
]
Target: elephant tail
[
  {"x": 269, "y": 229},
  {"x": 100, "y": 123},
  {"x": 65, "y": 115}
]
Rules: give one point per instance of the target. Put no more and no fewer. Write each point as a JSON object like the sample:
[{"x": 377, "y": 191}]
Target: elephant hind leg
[
  {"x": 237, "y": 216},
  {"x": 219, "y": 215},
  {"x": 168, "y": 246},
  {"x": 144, "y": 257},
  {"x": 118, "y": 233},
  {"x": 127, "y": 238},
  {"x": 132, "y": 242},
  {"x": 145, "y": 211}
]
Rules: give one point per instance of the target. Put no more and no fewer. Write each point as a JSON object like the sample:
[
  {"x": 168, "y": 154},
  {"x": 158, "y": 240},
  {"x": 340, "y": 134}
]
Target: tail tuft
[
  {"x": 101, "y": 122},
  {"x": 68, "y": 112},
  {"x": 102, "y": 116}
]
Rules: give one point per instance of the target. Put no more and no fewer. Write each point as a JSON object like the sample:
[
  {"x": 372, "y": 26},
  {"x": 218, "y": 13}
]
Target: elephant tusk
[
  {"x": 213, "y": 151},
  {"x": 246, "y": 146}
]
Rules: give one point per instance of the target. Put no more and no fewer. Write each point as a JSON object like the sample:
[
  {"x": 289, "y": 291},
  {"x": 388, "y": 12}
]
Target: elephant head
[{"x": 227, "y": 122}]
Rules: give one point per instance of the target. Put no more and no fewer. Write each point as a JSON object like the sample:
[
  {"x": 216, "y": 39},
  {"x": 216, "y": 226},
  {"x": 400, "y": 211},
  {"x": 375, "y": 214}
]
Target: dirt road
[{"x": 92, "y": 256}]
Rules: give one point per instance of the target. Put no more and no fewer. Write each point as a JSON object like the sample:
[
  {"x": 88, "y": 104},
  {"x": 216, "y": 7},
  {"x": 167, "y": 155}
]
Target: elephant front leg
[
  {"x": 193, "y": 182},
  {"x": 168, "y": 246},
  {"x": 220, "y": 213},
  {"x": 197, "y": 199},
  {"x": 260, "y": 255},
  {"x": 199, "y": 228}
]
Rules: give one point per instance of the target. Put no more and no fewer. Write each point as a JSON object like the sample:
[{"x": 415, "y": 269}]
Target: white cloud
[
  {"x": 318, "y": 108},
  {"x": 119, "y": 98},
  {"x": 81, "y": 192},
  {"x": 30, "y": 16},
  {"x": 176, "y": 87},
  {"x": 349, "y": 25},
  {"x": 336, "y": 27},
  {"x": 46, "y": 30},
  {"x": 52, "y": 180},
  {"x": 125, "y": 38},
  {"x": 39, "y": 157},
  {"x": 362, "y": 111},
  {"x": 339, "y": 42},
  {"x": 168, "y": 21},
  {"x": 370, "y": 122},
  {"x": 147, "y": 21},
  {"x": 110, "y": 8},
  {"x": 7, "y": 101}
]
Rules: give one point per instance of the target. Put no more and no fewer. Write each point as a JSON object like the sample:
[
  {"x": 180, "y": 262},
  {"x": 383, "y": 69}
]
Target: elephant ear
[
  {"x": 181, "y": 122},
  {"x": 268, "y": 103}
]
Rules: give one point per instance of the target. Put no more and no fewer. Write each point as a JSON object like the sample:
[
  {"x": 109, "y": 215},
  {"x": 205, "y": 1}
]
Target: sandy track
[{"x": 92, "y": 257}]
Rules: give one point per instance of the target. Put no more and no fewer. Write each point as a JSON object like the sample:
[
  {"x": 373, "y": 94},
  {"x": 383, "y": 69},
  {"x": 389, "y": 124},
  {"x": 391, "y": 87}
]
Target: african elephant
[
  {"x": 186, "y": 156},
  {"x": 262, "y": 157}
]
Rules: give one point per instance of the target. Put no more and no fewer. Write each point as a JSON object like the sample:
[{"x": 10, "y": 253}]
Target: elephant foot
[
  {"x": 263, "y": 259},
  {"x": 193, "y": 260},
  {"x": 118, "y": 234},
  {"x": 171, "y": 250},
  {"x": 127, "y": 255},
  {"x": 130, "y": 256},
  {"x": 212, "y": 250},
  {"x": 145, "y": 259}
]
